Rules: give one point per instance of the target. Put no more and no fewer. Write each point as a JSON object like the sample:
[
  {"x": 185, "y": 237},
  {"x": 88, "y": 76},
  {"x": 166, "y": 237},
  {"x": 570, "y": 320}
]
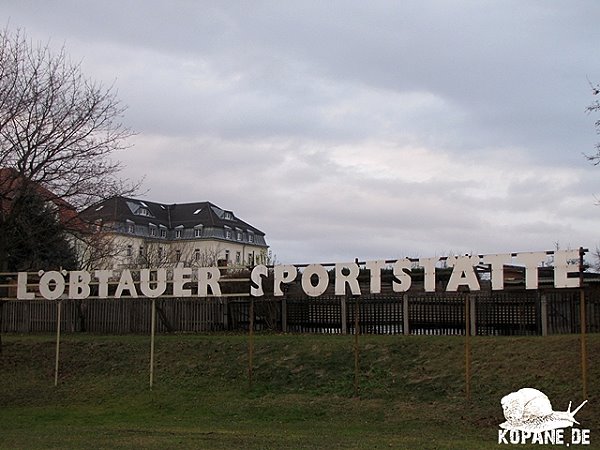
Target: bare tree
[
  {"x": 152, "y": 254},
  {"x": 593, "y": 108},
  {"x": 155, "y": 254},
  {"x": 58, "y": 129},
  {"x": 96, "y": 249},
  {"x": 206, "y": 257}
]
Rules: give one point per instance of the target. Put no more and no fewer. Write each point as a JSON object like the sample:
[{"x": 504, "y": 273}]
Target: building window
[
  {"x": 177, "y": 255},
  {"x": 131, "y": 228},
  {"x": 198, "y": 232},
  {"x": 197, "y": 255},
  {"x": 227, "y": 234},
  {"x": 178, "y": 234},
  {"x": 228, "y": 215},
  {"x": 238, "y": 257},
  {"x": 141, "y": 250},
  {"x": 239, "y": 235},
  {"x": 251, "y": 259},
  {"x": 152, "y": 231},
  {"x": 130, "y": 250},
  {"x": 163, "y": 233},
  {"x": 227, "y": 256},
  {"x": 160, "y": 253},
  {"x": 250, "y": 237}
]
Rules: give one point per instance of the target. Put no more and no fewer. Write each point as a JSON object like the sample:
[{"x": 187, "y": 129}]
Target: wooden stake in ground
[
  {"x": 583, "y": 326},
  {"x": 57, "y": 357},
  {"x": 250, "y": 342},
  {"x": 467, "y": 347},
  {"x": 152, "y": 333},
  {"x": 356, "y": 348}
]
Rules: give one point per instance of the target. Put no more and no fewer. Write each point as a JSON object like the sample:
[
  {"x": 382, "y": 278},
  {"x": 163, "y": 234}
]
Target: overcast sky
[{"x": 354, "y": 129}]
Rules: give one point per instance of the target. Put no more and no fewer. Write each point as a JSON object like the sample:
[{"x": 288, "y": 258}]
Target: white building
[{"x": 146, "y": 234}]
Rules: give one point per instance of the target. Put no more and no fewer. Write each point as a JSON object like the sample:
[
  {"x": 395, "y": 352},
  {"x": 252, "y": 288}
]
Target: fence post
[
  {"x": 544, "y": 314},
  {"x": 2, "y": 302},
  {"x": 468, "y": 347},
  {"x": 284, "y": 314},
  {"x": 225, "y": 311},
  {"x": 583, "y": 339},
  {"x": 405, "y": 324},
  {"x": 356, "y": 344},
  {"x": 25, "y": 325},
  {"x": 344, "y": 315},
  {"x": 57, "y": 353},
  {"x": 472, "y": 314},
  {"x": 583, "y": 326},
  {"x": 152, "y": 333},
  {"x": 251, "y": 343}
]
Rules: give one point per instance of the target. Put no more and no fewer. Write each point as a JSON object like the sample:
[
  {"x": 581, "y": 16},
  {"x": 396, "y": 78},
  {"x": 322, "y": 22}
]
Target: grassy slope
[{"x": 411, "y": 391}]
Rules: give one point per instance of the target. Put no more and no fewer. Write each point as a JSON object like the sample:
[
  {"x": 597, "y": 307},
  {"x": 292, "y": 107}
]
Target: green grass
[{"x": 411, "y": 390}]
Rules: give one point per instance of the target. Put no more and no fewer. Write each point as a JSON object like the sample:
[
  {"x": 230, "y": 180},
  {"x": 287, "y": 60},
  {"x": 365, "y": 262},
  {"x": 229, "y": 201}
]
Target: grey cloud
[{"x": 252, "y": 106}]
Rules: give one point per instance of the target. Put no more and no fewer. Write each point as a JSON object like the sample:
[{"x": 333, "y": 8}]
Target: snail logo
[{"x": 531, "y": 419}]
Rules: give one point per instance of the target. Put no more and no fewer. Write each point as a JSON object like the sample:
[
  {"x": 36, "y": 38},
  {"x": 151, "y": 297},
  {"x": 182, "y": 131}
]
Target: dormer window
[
  {"x": 250, "y": 237},
  {"x": 178, "y": 232},
  {"x": 228, "y": 233},
  {"x": 198, "y": 231},
  {"x": 130, "y": 227},
  {"x": 152, "y": 230},
  {"x": 163, "y": 232},
  {"x": 228, "y": 215},
  {"x": 143, "y": 212}
]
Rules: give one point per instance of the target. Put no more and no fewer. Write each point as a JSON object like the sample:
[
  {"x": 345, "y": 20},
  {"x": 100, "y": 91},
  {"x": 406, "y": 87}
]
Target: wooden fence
[{"x": 489, "y": 313}]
